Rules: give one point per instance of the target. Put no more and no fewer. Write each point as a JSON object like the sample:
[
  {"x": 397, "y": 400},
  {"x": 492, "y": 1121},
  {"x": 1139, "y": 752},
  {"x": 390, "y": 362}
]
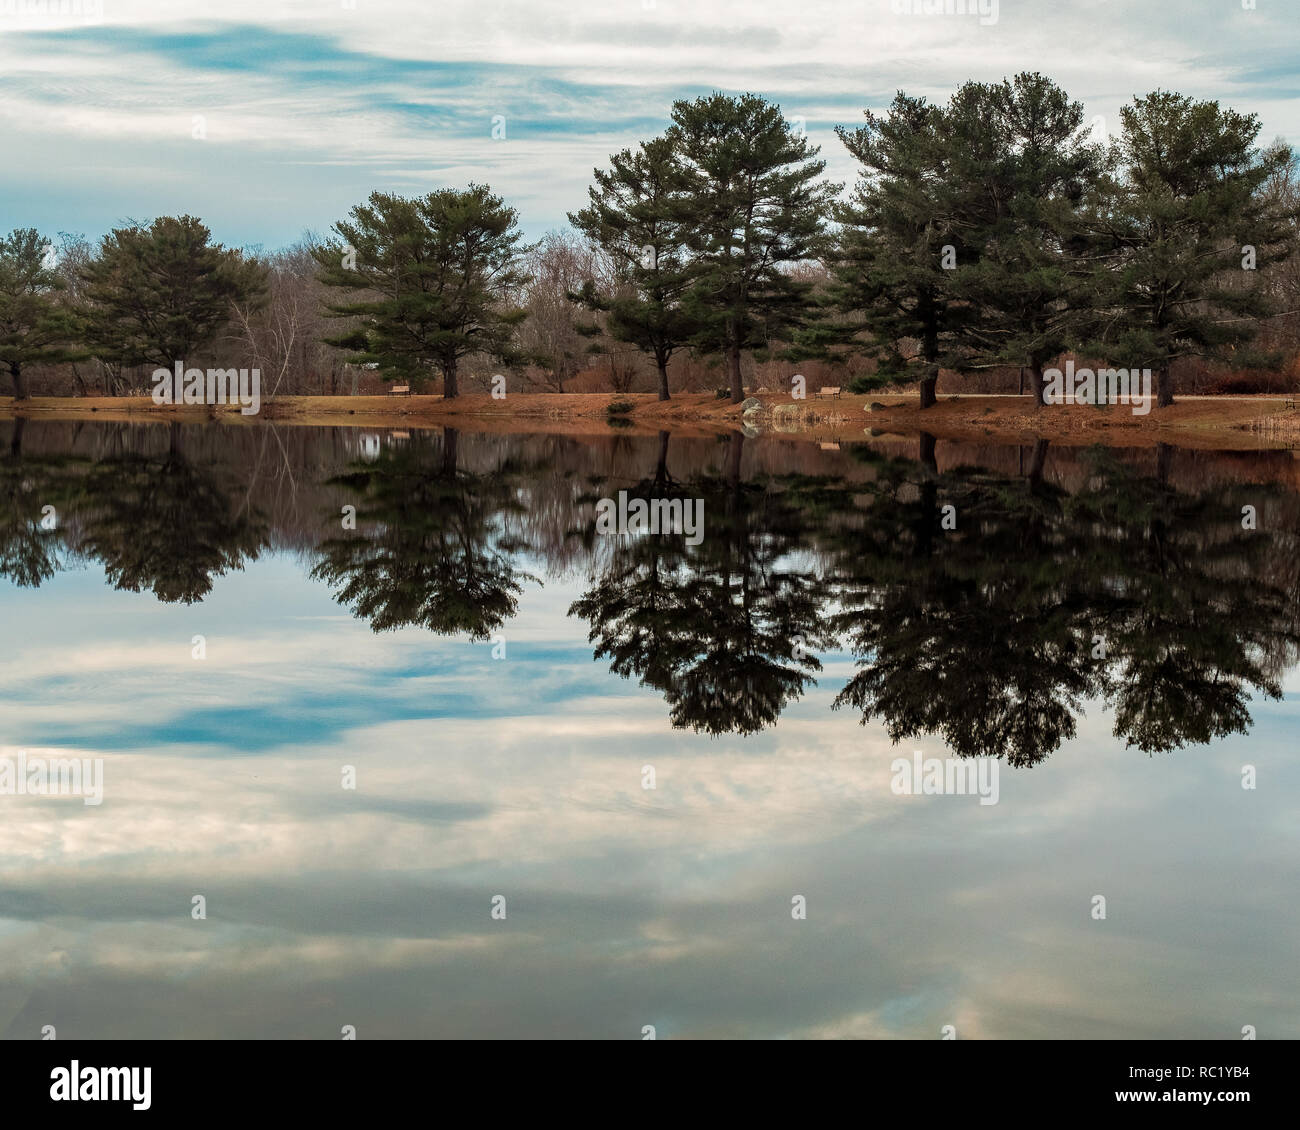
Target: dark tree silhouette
[{"x": 428, "y": 549}]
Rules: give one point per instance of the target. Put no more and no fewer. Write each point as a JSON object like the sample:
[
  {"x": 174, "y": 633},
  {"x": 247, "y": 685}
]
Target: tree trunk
[
  {"x": 16, "y": 440},
  {"x": 928, "y": 383},
  {"x": 1164, "y": 460},
  {"x": 735, "y": 447},
  {"x": 1038, "y": 462},
  {"x": 450, "y": 389},
  {"x": 925, "y": 452},
  {"x": 1164, "y": 387},
  {"x": 20, "y": 382},
  {"x": 663, "y": 380},
  {"x": 737, "y": 385},
  {"x": 1037, "y": 385},
  {"x": 661, "y": 466},
  {"x": 450, "y": 436}
]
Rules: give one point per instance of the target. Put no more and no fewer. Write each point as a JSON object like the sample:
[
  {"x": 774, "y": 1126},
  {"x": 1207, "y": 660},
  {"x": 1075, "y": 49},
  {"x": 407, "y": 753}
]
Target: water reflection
[
  {"x": 981, "y": 604},
  {"x": 723, "y": 629},
  {"x": 991, "y": 635},
  {"x": 827, "y": 575},
  {"x": 428, "y": 546}
]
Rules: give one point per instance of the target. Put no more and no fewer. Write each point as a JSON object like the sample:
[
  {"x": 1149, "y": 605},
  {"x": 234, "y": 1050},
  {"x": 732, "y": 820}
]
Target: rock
[
  {"x": 750, "y": 432},
  {"x": 875, "y": 406},
  {"x": 750, "y": 404}
]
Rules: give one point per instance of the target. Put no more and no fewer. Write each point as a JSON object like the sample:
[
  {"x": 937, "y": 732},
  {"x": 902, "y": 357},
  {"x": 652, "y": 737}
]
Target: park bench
[
  {"x": 400, "y": 390},
  {"x": 1289, "y": 402},
  {"x": 828, "y": 391}
]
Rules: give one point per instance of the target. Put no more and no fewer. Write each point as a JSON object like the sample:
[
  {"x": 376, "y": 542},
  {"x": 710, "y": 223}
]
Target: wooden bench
[
  {"x": 1289, "y": 402},
  {"x": 828, "y": 392},
  {"x": 400, "y": 390}
]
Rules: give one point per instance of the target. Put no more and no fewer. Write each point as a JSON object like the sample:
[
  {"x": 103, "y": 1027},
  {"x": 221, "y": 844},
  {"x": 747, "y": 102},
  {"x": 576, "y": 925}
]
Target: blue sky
[{"x": 305, "y": 106}]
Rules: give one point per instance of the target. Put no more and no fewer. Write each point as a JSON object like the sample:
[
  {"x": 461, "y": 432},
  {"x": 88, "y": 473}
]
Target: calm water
[{"x": 503, "y": 679}]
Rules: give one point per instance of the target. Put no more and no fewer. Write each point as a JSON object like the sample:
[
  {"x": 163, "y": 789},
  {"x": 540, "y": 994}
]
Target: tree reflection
[
  {"x": 429, "y": 547},
  {"x": 30, "y": 547},
  {"x": 992, "y": 634},
  {"x": 725, "y": 629},
  {"x": 165, "y": 524}
]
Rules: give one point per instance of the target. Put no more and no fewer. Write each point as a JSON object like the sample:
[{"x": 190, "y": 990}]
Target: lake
[{"x": 910, "y": 739}]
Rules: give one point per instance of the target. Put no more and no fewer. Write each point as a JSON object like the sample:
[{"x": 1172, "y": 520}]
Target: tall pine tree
[
  {"x": 432, "y": 280},
  {"x": 753, "y": 204},
  {"x": 1022, "y": 166},
  {"x": 1186, "y": 226},
  {"x": 636, "y": 216},
  {"x": 35, "y": 327},
  {"x": 160, "y": 294},
  {"x": 896, "y": 249}
]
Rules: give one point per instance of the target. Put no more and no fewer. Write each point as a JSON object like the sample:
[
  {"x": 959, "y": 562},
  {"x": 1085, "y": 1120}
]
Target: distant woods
[{"x": 985, "y": 239}]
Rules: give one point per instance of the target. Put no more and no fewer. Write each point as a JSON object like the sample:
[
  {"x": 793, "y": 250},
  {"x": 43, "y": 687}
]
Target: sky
[{"x": 269, "y": 118}]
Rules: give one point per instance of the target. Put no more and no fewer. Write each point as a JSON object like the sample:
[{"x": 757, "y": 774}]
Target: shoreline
[{"x": 1227, "y": 422}]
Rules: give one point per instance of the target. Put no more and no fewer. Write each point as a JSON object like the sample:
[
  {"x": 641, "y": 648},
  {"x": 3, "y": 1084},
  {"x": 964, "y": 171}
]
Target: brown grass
[{"x": 1236, "y": 422}]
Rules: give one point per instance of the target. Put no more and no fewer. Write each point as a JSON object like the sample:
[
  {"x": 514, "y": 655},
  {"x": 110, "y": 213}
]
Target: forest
[{"x": 985, "y": 239}]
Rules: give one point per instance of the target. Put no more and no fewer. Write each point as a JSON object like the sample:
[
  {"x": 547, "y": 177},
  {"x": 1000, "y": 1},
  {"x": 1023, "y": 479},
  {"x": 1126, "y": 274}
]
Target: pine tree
[
  {"x": 35, "y": 327},
  {"x": 752, "y": 205},
  {"x": 161, "y": 294},
  {"x": 895, "y": 247},
  {"x": 636, "y": 217},
  {"x": 1190, "y": 211},
  {"x": 1021, "y": 167},
  {"x": 432, "y": 280}
]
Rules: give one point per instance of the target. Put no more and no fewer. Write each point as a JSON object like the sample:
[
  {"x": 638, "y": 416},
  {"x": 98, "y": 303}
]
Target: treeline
[{"x": 997, "y": 232}]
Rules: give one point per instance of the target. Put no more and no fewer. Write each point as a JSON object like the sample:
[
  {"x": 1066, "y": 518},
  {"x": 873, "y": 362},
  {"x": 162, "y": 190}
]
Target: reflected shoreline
[{"x": 983, "y": 594}]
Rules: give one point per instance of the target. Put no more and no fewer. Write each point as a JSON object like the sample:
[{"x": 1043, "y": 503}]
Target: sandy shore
[{"x": 1243, "y": 422}]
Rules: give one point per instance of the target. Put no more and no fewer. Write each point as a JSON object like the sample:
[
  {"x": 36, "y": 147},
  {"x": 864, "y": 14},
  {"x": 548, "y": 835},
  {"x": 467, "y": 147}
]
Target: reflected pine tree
[
  {"x": 992, "y": 634},
  {"x": 724, "y": 629},
  {"x": 30, "y": 554},
  {"x": 164, "y": 524},
  {"x": 430, "y": 547},
  {"x": 968, "y": 633},
  {"x": 1193, "y": 608}
]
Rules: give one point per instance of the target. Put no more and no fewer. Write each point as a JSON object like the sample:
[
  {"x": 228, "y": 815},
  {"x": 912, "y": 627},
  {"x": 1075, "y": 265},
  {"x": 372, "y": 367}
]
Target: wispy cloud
[{"x": 307, "y": 105}]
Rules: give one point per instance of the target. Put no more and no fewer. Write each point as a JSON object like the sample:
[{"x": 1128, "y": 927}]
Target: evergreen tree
[
  {"x": 891, "y": 261},
  {"x": 431, "y": 279},
  {"x": 160, "y": 294},
  {"x": 752, "y": 205},
  {"x": 1020, "y": 170},
  {"x": 35, "y": 327},
  {"x": 636, "y": 216},
  {"x": 1191, "y": 210}
]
